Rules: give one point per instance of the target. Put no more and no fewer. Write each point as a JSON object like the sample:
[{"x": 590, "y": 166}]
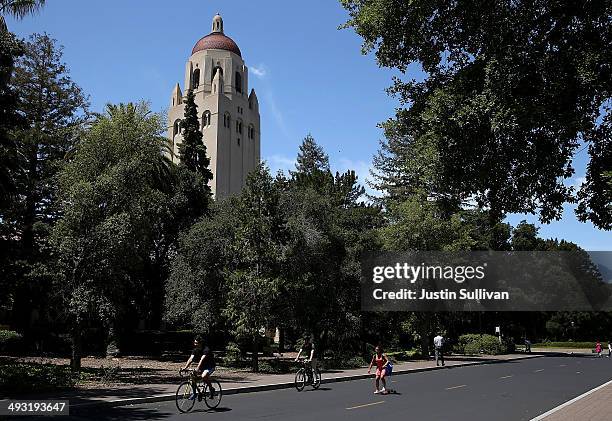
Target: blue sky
[{"x": 309, "y": 76}]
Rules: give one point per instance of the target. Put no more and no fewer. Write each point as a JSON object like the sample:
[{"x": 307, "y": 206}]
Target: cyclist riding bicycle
[
  {"x": 206, "y": 363},
  {"x": 309, "y": 352}
]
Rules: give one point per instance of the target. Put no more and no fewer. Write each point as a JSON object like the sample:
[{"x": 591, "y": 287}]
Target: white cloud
[
  {"x": 260, "y": 71},
  {"x": 577, "y": 182},
  {"x": 280, "y": 163},
  {"x": 277, "y": 114}
]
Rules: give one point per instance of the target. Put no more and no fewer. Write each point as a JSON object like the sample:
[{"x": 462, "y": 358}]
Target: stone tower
[{"x": 229, "y": 114}]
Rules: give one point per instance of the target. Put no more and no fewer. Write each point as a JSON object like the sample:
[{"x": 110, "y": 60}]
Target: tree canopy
[{"x": 512, "y": 89}]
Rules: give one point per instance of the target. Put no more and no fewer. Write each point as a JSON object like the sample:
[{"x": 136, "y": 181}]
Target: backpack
[{"x": 389, "y": 368}]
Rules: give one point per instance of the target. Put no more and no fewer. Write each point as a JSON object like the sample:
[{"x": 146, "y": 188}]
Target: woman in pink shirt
[{"x": 380, "y": 360}]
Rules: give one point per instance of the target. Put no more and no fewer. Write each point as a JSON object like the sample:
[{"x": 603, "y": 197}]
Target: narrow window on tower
[
  {"x": 238, "y": 82},
  {"x": 206, "y": 119},
  {"x": 195, "y": 79}
]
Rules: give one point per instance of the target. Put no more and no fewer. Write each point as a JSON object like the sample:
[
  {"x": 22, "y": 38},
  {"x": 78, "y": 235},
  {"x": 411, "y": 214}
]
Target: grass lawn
[{"x": 569, "y": 344}]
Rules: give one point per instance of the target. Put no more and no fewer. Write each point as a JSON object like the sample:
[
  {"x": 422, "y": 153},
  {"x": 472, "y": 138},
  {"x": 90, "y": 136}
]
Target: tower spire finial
[{"x": 217, "y": 24}]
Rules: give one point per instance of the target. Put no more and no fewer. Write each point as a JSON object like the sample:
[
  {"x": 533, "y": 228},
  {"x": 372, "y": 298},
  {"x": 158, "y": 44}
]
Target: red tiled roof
[{"x": 216, "y": 41}]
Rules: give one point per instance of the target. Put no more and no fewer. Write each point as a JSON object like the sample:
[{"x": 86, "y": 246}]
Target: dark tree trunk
[
  {"x": 255, "y": 360},
  {"x": 281, "y": 340},
  {"x": 112, "y": 343},
  {"x": 75, "y": 359}
]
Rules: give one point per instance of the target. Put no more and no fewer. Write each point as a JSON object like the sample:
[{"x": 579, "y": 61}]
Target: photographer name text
[{"x": 479, "y": 294}]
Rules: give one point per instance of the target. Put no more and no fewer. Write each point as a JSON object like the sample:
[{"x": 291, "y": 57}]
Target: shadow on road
[{"x": 117, "y": 413}]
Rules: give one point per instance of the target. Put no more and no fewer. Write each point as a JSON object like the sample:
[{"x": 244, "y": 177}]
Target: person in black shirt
[
  {"x": 309, "y": 352},
  {"x": 205, "y": 359}
]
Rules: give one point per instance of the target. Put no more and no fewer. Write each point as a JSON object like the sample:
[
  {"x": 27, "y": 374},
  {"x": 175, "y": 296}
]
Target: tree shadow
[{"x": 118, "y": 413}]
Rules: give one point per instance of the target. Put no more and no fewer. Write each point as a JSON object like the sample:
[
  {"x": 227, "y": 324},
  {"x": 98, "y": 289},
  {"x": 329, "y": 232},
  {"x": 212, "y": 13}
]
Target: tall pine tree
[
  {"x": 192, "y": 150},
  {"x": 54, "y": 109},
  {"x": 312, "y": 157}
]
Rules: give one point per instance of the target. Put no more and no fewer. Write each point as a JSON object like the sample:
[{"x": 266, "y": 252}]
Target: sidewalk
[
  {"x": 595, "y": 404},
  {"x": 250, "y": 382}
]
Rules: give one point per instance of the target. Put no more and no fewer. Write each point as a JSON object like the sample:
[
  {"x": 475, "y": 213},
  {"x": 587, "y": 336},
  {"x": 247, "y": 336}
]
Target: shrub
[
  {"x": 276, "y": 366},
  {"x": 481, "y": 344},
  {"x": 406, "y": 355},
  {"x": 342, "y": 362},
  {"x": 10, "y": 341},
  {"x": 234, "y": 357},
  {"x": 31, "y": 377}
]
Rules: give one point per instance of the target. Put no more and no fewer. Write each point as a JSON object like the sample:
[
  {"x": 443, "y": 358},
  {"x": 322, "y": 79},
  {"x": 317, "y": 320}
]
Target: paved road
[{"x": 516, "y": 390}]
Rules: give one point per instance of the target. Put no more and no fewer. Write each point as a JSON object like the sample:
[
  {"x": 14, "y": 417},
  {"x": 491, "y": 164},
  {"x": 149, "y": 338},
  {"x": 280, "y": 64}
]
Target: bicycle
[
  {"x": 307, "y": 375},
  {"x": 195, "y": 388}
]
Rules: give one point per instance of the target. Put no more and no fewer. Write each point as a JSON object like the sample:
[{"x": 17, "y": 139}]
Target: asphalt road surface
[{"x": 517, "y": 390}]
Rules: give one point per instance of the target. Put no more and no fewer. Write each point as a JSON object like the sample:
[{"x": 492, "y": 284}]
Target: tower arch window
[
  {"x": 238, "y": 82},
  {"x": 206, "y": 119},
  {"x": 214, "y": 72},
  {"x": 177, "y": 127},
  {"x": 226, "y": 120},
  {"x": 251, "y": 132},
  {"x": 239, "y": 126},
  {"x": 195, "y": 79}
]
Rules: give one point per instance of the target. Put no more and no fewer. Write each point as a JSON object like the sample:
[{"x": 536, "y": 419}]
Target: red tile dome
[{"x": 216, "y": 41}]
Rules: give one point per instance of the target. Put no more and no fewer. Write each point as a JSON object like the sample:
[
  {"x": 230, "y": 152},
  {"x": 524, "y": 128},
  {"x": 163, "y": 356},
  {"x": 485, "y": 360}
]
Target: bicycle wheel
[
  {"x": 185, "y": 397},
  {"x": 212, "y": 399},
  {"x": 300, "y": 379},
  {"x": 316, "y": 381}
]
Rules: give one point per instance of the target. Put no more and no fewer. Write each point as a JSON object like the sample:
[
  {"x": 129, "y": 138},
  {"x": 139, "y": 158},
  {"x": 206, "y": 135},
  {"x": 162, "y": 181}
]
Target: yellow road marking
[
  {"x": 507, "y": 377},
  {"x": 456, "y": 387},
  {"x": 366, "y": 404}
]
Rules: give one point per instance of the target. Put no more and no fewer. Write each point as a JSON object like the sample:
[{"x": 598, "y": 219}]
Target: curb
[{"x": 286, "y": 385}]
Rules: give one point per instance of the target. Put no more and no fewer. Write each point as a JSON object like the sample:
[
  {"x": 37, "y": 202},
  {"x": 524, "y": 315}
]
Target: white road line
[
  {"x": 537, "y": 371},
  {"x": 366, "y": 404},
  {"x": 563, "y": 365},
  {"x": 506, "y": 377},
  {"x": 563, "y": 405},
  {"x": 456, "y": 387}
]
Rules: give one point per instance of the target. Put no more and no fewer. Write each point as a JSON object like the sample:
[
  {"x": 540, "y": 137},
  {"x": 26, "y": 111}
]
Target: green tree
[
  {"x": 312, "y": 157},
  {"x": 192, "y": 150},
  {"x": 259, "y": 250},
  {"x": 510, "y": 89},
  {"x": 196, "y": 289},
  {"x": 10, "y": 50},
  {"x": 328, "y": 228},
  {"x": 53, "y": 109},
  {"x": 595, "y": 195},
  {"x": 18, "y": 9},
  {"x": 116, "y": 202}
]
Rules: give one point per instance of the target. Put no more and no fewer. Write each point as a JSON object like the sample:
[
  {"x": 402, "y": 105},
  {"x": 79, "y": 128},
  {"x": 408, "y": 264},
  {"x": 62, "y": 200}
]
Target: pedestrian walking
[
  {"x": 598, "y": 349},
  {"x": 527, "y": 346},
  {"x": 609, "y": 349},
  {"x": 438, "y": 344}
]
